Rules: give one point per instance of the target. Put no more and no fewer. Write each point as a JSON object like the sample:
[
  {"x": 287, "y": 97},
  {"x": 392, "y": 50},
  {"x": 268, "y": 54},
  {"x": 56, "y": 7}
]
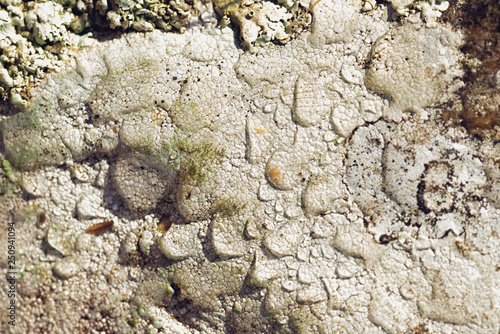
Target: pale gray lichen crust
[{"x": 287, "y": 190}]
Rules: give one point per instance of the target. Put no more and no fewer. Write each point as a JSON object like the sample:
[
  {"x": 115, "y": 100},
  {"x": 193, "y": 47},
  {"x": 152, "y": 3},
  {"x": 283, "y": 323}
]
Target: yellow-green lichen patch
[
  {"x": 9, "y": 178},
  {"x": 199, "y": 184},
  {"x": 187, "y": 116},
  {"x": 199, "y": 158}
]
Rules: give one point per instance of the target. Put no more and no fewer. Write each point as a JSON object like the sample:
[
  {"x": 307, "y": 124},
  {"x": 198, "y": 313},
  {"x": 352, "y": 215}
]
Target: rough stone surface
[{"x": 280, "y": 189}]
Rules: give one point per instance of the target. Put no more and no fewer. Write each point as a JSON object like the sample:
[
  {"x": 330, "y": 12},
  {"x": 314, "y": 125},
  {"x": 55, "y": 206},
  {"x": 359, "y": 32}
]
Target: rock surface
[{"x": 281, "y": 189}]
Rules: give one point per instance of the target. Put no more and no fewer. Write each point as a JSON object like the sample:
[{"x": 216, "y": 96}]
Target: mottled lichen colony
[
  {"x": 301, "y": 187},
  {"x": 37, "y": 37}
]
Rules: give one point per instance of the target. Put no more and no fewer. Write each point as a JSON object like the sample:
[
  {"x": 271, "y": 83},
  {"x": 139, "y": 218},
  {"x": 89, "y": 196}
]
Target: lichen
[
  {"x": 260, "y": 22},
  {"x": 27, "y": 143},
  {"x": 198, "y": 158},
  {"x": 34, "y": 39},
  {"x": 38, "y": 37},
  {"x": 227, "y": 207},
  {"x": 406, "y": 65},
  {"x": 430, "y": 9},
  {"x": 289, "y": 205}
]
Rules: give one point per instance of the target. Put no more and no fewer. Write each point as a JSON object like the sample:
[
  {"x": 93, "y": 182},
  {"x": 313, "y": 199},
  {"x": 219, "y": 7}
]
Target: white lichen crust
[
  {"x": 35, "y": 38},
  {"x": 177, "y": 183},
  {"x": 430, "y": 9},
  {"x": 414, "y": 66}
]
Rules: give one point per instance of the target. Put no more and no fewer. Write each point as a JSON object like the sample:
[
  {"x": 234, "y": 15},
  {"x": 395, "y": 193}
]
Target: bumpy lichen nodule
[
  {"x": 414, "y": 66},
  {"x": 27, "y": 143}
]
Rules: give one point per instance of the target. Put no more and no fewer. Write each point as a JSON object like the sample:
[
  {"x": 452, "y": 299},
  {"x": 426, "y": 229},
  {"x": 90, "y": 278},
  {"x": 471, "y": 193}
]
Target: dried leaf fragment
[
  {"x": 100, "y": 227},
  {"x": 41, "y": 218},
  {"x": 164, "y": 224}
]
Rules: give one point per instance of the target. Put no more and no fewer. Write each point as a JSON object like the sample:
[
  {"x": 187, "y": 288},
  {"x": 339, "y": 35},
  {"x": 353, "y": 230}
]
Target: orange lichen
[
  {"x": 274, "y": 175},
  {"x": 100, "y": 227},
  {"x": 259, "y": 130}
]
